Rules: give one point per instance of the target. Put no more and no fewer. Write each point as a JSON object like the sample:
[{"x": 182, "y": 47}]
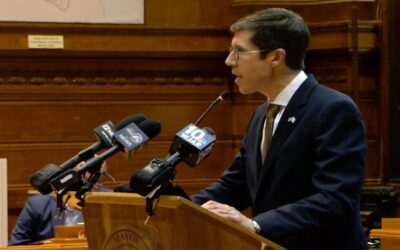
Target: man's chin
[{"x": 244, "y": 91}]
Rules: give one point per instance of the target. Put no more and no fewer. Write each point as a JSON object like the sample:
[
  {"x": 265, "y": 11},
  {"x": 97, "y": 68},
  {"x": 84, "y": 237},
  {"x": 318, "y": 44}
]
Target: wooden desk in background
[
  {"x": 50, "y": 246},
  {"x": 67, "y": 237},
  {"x": 389, "y": 233}
]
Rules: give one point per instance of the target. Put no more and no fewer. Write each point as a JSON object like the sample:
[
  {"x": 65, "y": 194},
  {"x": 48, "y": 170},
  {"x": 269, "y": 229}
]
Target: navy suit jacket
[
  {"x": 306, "y": 195},
  {"x": 36, "y": 221}
]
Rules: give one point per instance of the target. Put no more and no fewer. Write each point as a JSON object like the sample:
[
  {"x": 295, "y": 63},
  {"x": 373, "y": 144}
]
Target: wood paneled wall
[
  {"x": 393, "y": 86},
  {"x": 170, "y": 69}
]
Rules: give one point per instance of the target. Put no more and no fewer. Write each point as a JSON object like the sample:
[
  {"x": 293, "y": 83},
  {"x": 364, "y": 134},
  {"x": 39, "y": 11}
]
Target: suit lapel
[
  {"x": 259, "y": 138},
  {"x": 255, "y": 156},
  {"x": 290, "y": 118}
]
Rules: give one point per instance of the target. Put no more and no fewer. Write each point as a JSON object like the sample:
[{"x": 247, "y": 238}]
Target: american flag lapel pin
[{"x": 292, "y": 119}]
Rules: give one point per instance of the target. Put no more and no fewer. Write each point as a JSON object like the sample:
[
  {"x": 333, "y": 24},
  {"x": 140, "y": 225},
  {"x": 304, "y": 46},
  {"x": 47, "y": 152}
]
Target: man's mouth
[{"x": 237, "y": 77}]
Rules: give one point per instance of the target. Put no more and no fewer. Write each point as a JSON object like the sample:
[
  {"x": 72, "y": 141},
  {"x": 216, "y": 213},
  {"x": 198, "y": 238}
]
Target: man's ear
[{"x": 278, "y": 57}]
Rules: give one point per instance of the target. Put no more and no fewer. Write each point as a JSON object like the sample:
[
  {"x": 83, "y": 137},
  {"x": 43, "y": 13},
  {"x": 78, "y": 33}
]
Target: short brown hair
[{"x": 278, "y": 28}]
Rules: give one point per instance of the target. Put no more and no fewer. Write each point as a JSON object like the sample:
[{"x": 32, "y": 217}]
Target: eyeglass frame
[{"x": 237, "y": 53}]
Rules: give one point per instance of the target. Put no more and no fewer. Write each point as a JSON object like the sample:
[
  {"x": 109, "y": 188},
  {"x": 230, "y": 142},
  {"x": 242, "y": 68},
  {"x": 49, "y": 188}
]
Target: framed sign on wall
[{"x": 73, "y": 11}]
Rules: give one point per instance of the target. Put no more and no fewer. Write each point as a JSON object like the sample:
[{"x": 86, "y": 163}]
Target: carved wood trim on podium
[{"x": 117, "y": 219}]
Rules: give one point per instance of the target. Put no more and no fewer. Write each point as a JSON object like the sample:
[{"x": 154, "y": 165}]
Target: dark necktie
[{"x": 272, "y": 111}]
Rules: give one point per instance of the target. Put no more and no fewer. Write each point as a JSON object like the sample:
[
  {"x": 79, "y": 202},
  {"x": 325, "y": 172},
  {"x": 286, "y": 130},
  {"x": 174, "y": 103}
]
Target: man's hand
[{"x": 229, "y": 213}]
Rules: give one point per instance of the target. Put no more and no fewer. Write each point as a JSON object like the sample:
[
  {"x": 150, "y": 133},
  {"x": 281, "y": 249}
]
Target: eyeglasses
[{"x": 237, "y": 53}]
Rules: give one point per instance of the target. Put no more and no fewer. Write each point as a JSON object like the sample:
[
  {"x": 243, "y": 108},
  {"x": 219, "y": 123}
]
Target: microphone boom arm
[
  {"x": 221, "y": 97},
  {"x": 207, "y": 110}
]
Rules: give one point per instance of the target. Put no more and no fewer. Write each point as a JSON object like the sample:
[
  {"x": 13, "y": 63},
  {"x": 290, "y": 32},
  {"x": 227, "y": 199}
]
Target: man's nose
[{"x": 230, "y": 61}]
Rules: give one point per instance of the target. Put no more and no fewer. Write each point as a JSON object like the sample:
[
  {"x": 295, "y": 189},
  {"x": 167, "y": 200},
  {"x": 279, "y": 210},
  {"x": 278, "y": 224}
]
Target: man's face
[{"x": 252, "y": 72}]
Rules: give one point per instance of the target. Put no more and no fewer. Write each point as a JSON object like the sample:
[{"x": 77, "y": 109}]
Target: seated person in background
[{"x": 39, "y": 216}]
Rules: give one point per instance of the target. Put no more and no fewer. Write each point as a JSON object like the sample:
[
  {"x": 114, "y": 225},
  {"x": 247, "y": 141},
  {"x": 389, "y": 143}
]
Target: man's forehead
[{"x": 242, "y": 39}]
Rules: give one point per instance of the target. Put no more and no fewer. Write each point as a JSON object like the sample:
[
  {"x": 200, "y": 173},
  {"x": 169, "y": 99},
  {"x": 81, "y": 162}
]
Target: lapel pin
[{"x": 291, "y": 119}]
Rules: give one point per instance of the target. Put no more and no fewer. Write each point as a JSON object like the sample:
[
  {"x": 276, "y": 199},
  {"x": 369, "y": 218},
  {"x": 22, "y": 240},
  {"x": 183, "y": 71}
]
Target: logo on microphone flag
[{"x": 131, "y": 137}]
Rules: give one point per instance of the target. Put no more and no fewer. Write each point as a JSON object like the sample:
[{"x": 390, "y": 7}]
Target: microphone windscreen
[
  {"x": 39, "y": 180},
  {"x": 135, "y": 118},
  {"x": 225, "y": 94},
  {"x": 150, "y": 127}
]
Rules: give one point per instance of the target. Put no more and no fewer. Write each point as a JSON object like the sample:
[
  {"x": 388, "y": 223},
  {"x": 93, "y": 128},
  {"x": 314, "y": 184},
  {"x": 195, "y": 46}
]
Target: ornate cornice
[
  {"x": 329, "y": 76},
  {"x": 110, "y": 78}
]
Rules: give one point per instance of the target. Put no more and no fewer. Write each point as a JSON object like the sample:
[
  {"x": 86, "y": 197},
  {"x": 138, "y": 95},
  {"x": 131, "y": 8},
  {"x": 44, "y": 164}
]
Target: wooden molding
[
  {"x": 331, "y": 75},
  {"x": 112, "y": 78},
  {"x": 293, "y": 2}
]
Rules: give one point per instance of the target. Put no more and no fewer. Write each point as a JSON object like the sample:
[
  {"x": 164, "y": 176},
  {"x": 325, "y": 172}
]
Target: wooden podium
[{"x": 117, "y": 221}]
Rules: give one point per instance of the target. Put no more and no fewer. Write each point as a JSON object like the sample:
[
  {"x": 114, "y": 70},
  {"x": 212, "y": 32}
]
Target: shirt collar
[{"x": 286, "y": 94}]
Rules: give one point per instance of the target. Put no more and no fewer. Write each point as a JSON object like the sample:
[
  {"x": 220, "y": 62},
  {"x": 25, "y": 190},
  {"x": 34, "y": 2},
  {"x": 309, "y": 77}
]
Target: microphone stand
[
  {"x": 80, "y": 194},
  {"x": 152, "y": 200},
  {"x": 60, "y": 204},
  {"x": 60, "y": 195},
  {"x": 166, "y": 187}
]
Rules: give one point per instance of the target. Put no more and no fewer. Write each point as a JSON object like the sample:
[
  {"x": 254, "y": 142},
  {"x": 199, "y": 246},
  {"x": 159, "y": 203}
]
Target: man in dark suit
[
  {"x": 40, "y": 215},
  {"x": 38, "y": 220},
  {"x": 304, "y": 184}
]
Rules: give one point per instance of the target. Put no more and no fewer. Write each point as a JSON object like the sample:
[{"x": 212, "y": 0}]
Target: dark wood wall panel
[
  {"x": 119, "y": 166},
  {"x": 45, "y": 122},
  {"x": 373, "y": 174},
  {"x": 393, "y": 102}
]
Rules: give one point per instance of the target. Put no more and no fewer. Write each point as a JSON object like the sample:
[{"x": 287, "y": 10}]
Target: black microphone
[
  {"x": 161, "y": 171},
  {"x": 127, "y": 139},
  {"x": 104, "y": 133},
  {"x": 191, "y": 144},
  {"x": 154, "y": 175},
  {"x": 223, "y": 96}
]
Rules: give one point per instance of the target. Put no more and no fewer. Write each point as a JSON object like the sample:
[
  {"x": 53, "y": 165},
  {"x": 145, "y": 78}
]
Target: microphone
[
  {"x": 104, "y": 133},
  {"x": 222, "y": 96},
  {"x": 160, "y": 171},
  {"x": 191, "y": 144},
  {"x": 127, "y": 139}
]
